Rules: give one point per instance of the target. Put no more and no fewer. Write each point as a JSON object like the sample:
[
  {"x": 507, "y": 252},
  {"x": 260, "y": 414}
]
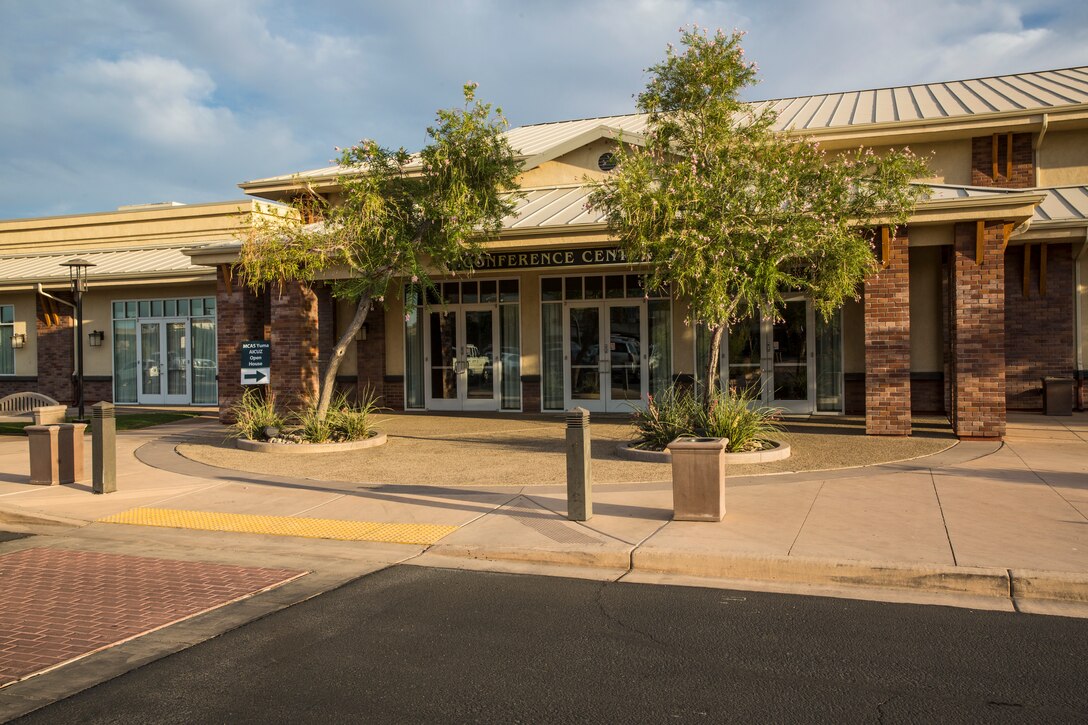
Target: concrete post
[
  {"x": 70, "y": 451},
  {"x": 44, "y": 464},
  {"x": 103, "y": 448},
  {"x": 579, "y": 475}
]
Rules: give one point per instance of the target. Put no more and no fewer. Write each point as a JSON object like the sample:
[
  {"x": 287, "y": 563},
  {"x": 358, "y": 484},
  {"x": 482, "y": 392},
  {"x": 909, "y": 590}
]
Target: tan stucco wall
[
  {"x": 570, "y": 168},
  {"x": 926, "y": 335},
  {"x": 120, "y": 229},
  {"x": 1062, "y": 159},
  {"x": 26, "y": 359},
  {"x": 949, "y": 161}
]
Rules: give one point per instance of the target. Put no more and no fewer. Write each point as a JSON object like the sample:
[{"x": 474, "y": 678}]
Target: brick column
[
  {"x": 326, "y": 316},
  {"x": 239, "y": 316},
  {"x": 978, "y": 334},
  {"x": 370, "y": 357},
  {"x": 295, "y": 341},
  {"x": 1039, "y": 322},
  {"x": 887, "y": 343},
  {"x": 56, "y": 348}
]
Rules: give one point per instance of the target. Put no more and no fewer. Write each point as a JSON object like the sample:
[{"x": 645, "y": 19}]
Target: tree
[
  {"x": 732, "y": 215},
  {"x": 395, "y": 216}
]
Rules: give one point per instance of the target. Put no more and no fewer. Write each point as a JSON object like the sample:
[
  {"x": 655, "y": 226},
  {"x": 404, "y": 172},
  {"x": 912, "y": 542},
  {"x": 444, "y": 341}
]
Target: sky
[{"x": 111, "y": 102}]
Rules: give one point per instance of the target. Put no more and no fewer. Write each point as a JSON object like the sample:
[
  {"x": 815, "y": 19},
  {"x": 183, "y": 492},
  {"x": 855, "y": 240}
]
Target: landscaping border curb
[
  {"x": 243, "y": 444},
  {"x": 780, "y": 452}
]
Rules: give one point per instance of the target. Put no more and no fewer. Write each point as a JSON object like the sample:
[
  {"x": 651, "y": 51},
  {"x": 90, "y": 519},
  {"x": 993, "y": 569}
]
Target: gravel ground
[{"x": 493, "y": 450}]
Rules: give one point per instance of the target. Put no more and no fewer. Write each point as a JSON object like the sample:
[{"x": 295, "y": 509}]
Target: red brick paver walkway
[{"x": 57, "y": 605}]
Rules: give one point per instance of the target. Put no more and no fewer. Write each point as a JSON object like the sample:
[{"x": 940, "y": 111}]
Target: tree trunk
[
  {"x": 712, "y": 363},
  {"x": 328, "y": 383}
]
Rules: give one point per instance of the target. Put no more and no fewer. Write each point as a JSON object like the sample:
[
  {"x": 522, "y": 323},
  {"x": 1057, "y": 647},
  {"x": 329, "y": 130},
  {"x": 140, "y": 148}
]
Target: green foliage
[
  {"x": 345, "y": 421},
  {"x": 732, "y": 215},
  {"x": 678, "y": 412},
  {"x": 253, "y": 413},
  {"x": 667, "y": 416},
  {"x": 738, "y": 417},
  {"x": 394, "y": 215},
  {"x": 352, "y": 422}
]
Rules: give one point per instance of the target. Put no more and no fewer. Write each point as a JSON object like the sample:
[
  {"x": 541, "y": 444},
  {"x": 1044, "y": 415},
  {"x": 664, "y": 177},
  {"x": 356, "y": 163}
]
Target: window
[{"x": 7, "y": 331}]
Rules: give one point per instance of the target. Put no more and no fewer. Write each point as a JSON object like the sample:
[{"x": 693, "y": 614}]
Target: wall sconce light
[
  {"x": 361, "y": 335},
  {"x": 18, "y": 340},
  {"x": 96, "y": 338}
]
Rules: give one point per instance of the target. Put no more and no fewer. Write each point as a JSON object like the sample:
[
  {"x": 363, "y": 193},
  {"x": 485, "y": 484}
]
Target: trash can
[
  {"x": 1058, "y": 396},
  {"x": 44, "y": 462},
  {"x": 70, "y": 451},
  {"x": 698, "y": 478}
]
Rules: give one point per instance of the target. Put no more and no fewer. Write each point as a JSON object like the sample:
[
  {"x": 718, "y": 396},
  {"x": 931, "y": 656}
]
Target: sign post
[{"x": 256, "y": 362}]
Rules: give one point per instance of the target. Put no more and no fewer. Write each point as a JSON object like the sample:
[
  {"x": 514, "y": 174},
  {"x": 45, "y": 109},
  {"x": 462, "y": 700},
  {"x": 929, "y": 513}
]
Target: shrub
[
  {"x": 668, "y": 415},
  {"x": 253, "y": 413},
  {"x": 738, "y": 417},
  {"x": 349, "y": 422}
]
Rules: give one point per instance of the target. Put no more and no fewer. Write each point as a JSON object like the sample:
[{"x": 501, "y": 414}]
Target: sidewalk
[{"x": 981, "y": 524}]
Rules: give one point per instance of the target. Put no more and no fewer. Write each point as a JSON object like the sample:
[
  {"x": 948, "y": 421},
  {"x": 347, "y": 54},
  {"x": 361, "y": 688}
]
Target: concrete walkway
[{"x": 981, "y": 525}]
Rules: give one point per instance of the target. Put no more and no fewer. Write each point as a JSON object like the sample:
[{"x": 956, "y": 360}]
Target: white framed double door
[
  {"x": 164, "y": 358},
  {"x": 774, "y": 358},
  {"x": 460, "y": 358},
  {"x": 605, "y": 355}
]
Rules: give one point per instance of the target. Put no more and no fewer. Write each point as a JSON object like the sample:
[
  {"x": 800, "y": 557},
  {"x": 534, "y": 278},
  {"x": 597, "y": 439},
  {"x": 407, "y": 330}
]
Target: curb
[
  {"x": 952, "y": 580},
  {"x": 28, "y": 518},
  {"x": 800, "y": 570}
]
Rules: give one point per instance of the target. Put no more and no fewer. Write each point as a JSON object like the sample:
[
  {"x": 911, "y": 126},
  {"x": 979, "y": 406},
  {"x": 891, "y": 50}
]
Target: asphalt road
[{"x": 410, "y": 644}]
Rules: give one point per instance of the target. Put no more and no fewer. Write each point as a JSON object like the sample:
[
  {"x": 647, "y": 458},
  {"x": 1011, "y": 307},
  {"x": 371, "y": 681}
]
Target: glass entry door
[
  {"x": 163, "y": 362},
  {"x": 604, "y": 353},
  {"x": 792, "y": 356},
  {"x": 460, "y": 358}
]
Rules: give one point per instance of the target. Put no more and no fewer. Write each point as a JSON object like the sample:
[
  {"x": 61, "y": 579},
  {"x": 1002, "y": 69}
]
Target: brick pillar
[
  {"x": 56, "y": 348},
  {"x": 294, "y": 328},
  {"x": 370, "y": 357},
  {"x": 978, "y": 334},
  {"x": 1023, "y": 161},
  {"x": 239, "y": 316},
  {"x": 887, "y": 343},
  {"x": 1038, "y": 327}
]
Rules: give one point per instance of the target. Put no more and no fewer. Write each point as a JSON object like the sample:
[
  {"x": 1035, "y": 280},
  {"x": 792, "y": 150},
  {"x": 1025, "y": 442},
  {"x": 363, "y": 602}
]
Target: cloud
[{"x": 104, "y": 102}]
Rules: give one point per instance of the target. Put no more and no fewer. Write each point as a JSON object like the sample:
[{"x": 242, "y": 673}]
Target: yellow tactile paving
[{"x": 283, "y": 525}]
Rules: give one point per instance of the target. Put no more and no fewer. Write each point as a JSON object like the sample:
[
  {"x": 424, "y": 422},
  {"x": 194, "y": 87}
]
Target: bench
[{"x": 18, "y": 407}]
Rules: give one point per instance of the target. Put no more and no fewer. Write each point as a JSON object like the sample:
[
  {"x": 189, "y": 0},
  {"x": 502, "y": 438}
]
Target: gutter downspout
[
  {"x": 1039, "y": 145},
  {"x": 41, "y": 290}
]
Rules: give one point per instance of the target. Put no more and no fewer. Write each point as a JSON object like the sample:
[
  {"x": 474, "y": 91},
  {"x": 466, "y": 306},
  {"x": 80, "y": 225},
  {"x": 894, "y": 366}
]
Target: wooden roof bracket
[
  {"x": 993, "y": 175},
  {"x": 885, "y": 246},
  {"x": 980, "y": 242},
  {"x": 228, "y": 277},
  {"x": 1008, "y": 157},
  {"x": 1006, "y": 233}
]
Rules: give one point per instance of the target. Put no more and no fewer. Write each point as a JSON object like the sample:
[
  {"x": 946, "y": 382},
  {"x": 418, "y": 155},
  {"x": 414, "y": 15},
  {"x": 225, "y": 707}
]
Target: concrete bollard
[
  {"x": 70, "y": 451},
  {"x": 44, "y": 462},
  {"x": 103, "y": 448},
  {"x": 579, "y": 474}
]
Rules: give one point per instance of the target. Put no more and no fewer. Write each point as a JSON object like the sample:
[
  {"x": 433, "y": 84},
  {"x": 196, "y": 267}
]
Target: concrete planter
[
  {"x": 373, "y": 441},
  {"x": 698, "y": 479},
  {"x": 777, "y": 452}
]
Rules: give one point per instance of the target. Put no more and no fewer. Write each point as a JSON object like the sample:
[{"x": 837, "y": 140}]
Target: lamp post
[{"x": 77, "y": 274}]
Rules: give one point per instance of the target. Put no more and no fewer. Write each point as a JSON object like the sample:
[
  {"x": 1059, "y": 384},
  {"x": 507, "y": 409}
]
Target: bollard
[
  {"x": 579, "y": 474},
  {"x": 70, "y": 451},
  {"x": 103, "y": 448},
  {"x": 44, "y": 463}
]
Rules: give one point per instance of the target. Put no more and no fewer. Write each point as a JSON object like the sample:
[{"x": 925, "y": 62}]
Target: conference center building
[{"x": 977, "y": 299}]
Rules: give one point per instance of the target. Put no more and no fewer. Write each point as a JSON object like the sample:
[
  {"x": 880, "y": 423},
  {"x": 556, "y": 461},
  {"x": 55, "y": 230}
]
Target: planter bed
[
  {"x": 243, "y": 444},
  {"x": 776, "y": 453}
]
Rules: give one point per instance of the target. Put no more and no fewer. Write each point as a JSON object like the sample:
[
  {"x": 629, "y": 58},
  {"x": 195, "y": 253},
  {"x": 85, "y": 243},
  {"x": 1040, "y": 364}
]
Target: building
[{"x": 981, "y": 295}]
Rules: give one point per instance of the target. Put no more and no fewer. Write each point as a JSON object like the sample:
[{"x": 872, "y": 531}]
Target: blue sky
[{"x": 111, "y": 102}]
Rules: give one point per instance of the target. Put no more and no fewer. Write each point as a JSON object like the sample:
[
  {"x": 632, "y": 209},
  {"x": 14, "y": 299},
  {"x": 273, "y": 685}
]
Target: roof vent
[
  {"x": 606, "y": 162},
  {"x": 153, "y": 205}
]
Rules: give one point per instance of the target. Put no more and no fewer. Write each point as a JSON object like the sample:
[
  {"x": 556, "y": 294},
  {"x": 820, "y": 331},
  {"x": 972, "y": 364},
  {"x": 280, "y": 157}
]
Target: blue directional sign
[{"x": 256, "y": 362}]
